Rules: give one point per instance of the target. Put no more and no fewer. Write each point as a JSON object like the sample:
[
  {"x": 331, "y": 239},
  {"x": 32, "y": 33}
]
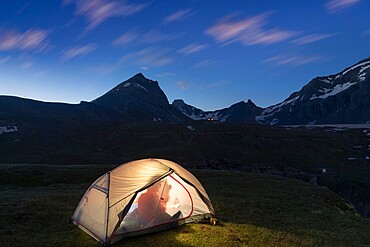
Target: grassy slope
[{"x": 256, "y": 210}]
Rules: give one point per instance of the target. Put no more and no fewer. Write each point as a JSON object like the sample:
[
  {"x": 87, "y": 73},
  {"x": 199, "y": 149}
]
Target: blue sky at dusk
[{"x": 209, "y": 53}]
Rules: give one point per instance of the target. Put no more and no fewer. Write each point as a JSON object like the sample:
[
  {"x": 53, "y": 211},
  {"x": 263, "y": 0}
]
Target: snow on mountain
[
  {"x": 8, "y": 129},
  {"x": 339, "y": 98},
  {"x": 332, "y": 91},
  {"x": 242, "y": 112}
]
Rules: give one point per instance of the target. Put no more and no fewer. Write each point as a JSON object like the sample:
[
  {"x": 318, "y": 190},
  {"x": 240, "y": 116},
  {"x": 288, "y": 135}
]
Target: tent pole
[{"x": 106, "y": 229}]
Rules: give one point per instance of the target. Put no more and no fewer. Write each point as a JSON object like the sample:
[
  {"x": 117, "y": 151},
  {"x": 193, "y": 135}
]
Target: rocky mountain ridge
[
  {"x": 241, "y": 112},
  {"x": 342, "y": 98}
]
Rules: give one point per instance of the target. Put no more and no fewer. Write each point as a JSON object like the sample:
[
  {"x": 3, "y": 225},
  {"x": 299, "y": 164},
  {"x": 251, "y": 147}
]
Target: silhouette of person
[{"x": 151, "y": 205}]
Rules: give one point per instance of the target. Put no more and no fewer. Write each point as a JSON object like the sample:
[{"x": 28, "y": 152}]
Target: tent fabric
[{"x": 139, "y": 197}]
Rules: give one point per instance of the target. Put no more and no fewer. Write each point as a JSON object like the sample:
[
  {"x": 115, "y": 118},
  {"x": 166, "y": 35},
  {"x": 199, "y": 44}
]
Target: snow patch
[
  {"x": 127, "y": 84},
  {"x": 335, "y": 90},
  {"x": 325, "y": 80},
  {"x": 351, "y": 158},
  {"x": 270, "y": 111},
  {"x": 189, "y": 127},
  {"x": 367, "y": 157},
  {"x": 362, "y": 77},
  {"x": 363, "y": 69},
  {"x": 8, "y": 129},
  {"x": 336, "y": 129},
  {"x": 274, "y": 121},
  {"x": 355, "y": 67},
  {"x": 139, "y": 86},
  {"x": 157, "y": 119}
]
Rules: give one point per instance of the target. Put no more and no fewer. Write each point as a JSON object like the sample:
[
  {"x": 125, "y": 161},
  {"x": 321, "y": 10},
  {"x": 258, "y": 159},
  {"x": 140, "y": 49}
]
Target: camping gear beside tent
[{"x": 140, "y": 197}]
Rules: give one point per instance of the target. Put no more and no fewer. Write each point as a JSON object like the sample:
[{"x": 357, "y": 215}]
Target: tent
[{"x": 140, "y": 197}]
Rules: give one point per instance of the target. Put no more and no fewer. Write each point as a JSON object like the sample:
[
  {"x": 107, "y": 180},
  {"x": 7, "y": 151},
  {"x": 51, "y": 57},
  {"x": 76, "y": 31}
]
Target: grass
[{"x": 255, "y": 210}]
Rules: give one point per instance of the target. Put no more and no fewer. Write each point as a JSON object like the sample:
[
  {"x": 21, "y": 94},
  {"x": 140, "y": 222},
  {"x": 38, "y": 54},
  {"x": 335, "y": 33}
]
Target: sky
[{"x": 211, "y": 54}]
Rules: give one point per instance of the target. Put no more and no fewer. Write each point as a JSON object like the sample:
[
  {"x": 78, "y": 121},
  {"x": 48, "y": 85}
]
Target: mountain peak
[
  {"x": 178, "y": 102},
  {"x": 139, "y": 76},
  {"x": 134, "y": 95}
]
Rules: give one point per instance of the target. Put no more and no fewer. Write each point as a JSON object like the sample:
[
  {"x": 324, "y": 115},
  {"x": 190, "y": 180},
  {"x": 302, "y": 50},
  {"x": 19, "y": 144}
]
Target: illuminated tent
[{"x": 140, "y": 197}]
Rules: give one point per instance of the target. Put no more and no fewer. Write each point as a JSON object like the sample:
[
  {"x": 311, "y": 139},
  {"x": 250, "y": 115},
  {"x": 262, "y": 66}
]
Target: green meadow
[{"x": 36, "y": 202}]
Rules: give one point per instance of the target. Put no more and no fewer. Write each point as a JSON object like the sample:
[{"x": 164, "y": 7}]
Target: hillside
[{"x": 36, "y": 202}]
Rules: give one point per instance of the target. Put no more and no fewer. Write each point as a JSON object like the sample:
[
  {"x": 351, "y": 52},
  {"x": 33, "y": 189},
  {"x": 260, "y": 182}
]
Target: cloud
[
  {"x": 26, "y": 65},
  {"x": 78, "y": 51},
  {"x": 215, "y": 84},
  {"x": 250, "y": 31},
  {"x": 292, "y": 59},
  {"x": 149, "y": 57},
  {"x": 151, "y": 37},
  {"x": 40, "y": 74},
  {"x": 193, "y": 48},
  {"x": 165, "y": 74},
  {"x": 334, "y": 6},
  {"x": 182, "y": 84},
  {"x": 206, "y": 63},
  {"x": 105, "y": 68},
  {"x": 32, "y": 39},
  {"x": 311, "y": 38},
  {"x": 98, "y": 11},
  {"x": 156, "y": 36},
  {"x": 126, "y": 38},
  {"x": 177, "y": 16},
  {"x": 366, "y": 32},
  {"x": 4, "y": 59}
]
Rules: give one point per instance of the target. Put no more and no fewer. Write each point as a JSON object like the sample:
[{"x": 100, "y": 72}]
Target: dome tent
[{"x": 140, "y": 197}]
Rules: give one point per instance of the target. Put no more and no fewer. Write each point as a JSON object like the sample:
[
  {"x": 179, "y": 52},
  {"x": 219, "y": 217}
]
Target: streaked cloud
[
  {"x": 292, "y": 59},
  {"x": 311, "y": 38},
  {"x": 182, "y": 84},
  {"x": 165, "y": 74},
  {"x": 334, "y": 6},
  {"x": 156, "y": 36},
  {"x": 98, "y": 11},
  {"x": 249, "y": 31},
  {"x": 177, "y": 16},
  {"x": 366, "y": 32},
  {"x": 32, "y": 39},
  {"x": 215, "y": 84},
  {"x": 78, "y": 51},
  {"x": 126, "y": 38},
  {"x": 26, "y": 65},
  {"x": 193, "y": 48},
  {"x": 106, "y": 68},
  {"x": 4, "y": 59},
  {"x": 206, "y": 63},
  {"x": 149, "y": 57},
  {"x": 40, "y": 74},
  {"x": 150, "y": 37}
]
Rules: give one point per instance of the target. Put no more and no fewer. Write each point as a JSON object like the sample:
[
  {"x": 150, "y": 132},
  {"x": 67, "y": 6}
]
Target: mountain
[
  {"x": 15, "y": 108},
  {"x": 342, "y": 98},
  {"x": 241, "y": 112},
  {"x": 140, "y": 99}
]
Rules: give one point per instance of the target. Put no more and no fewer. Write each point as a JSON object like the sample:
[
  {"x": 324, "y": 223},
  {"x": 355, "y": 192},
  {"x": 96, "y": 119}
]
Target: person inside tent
[
  {"x": 152, "y": 204},
  {"x": 151, "y": 208}
]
